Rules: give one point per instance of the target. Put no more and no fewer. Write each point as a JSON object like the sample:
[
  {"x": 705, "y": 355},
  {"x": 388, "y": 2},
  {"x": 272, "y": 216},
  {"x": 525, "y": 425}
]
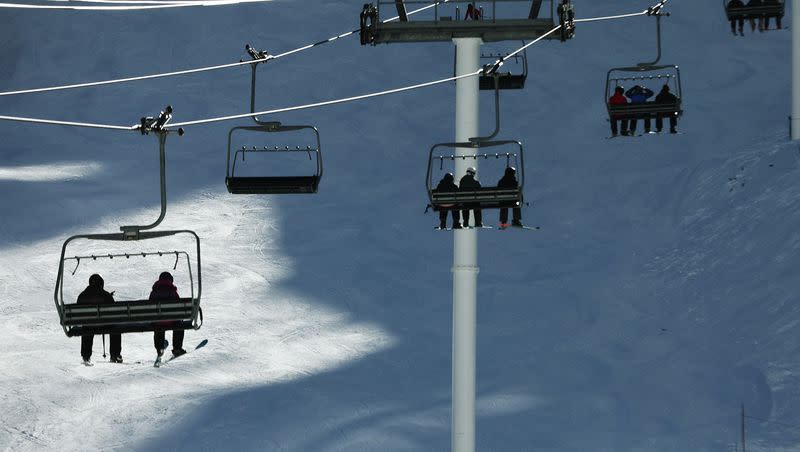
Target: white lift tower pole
[
  {"x": 795, "y": 70},
  {"x": 465, "y": 258}
]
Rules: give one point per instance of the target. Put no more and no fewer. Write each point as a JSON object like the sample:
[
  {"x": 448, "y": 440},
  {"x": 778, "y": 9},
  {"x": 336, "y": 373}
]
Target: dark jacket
[
  {"x": 163, "y": 289},
  {"x": 468, "y": 182},
  {"x": 95, "y": 295},
  {"x": 735, "y": 4},
  {"x": 639, "y": 94},
  {"x": 509, "y": 180},
  {"x": 666, "y": 97},
  {"x": 446, "y": 185}
]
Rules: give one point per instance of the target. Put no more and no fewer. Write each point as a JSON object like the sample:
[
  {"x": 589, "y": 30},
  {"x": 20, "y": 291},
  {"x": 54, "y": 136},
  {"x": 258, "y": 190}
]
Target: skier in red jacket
[
  {"x": 618, "y": 99},
  {"x": 164, "y": 290}
]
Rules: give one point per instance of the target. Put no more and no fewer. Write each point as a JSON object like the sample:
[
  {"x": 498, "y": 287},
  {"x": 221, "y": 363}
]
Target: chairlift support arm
[{"x": 157, "y": 126}]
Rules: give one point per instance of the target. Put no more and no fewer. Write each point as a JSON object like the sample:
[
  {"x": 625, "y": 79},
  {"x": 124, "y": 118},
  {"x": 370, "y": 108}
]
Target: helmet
[
  {"x": 165, "y": 275},
  {"x": 619, "y": 89},
  {"x": 449, "y": 176},
  {"x": 471, "y": 170},
  {"x": 96, "y": 281},
  {"x": 511, "y": 170}
]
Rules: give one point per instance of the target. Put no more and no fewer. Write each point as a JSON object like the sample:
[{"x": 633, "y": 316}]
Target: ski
[
  {"x": 504, "y": 226},
  {"x": 467, "y": 227},
  {"x": 87, "y": 363},
  {"x": 198, "y": 346}
]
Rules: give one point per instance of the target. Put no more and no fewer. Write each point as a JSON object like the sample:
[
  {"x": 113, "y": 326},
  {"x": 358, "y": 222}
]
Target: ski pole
[{"x": 104, "y": 346}]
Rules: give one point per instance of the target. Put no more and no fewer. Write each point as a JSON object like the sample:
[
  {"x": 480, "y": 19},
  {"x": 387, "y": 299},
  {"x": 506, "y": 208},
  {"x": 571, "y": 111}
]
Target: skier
[
  {"x": 163, "y": 290},
  {"x": 639, "y": 95},
  {"x": 473, "y": 12},
  {"x": 509, "y": 180},
  {"x": 618, "y": 99},
  {"x": 447, "y": 184},
  {"x": 95, "y": 294},
  {"x": 738, "y": 18},
  {"x": 468, "y": 182},
  {"x": 666, "y": 97}
]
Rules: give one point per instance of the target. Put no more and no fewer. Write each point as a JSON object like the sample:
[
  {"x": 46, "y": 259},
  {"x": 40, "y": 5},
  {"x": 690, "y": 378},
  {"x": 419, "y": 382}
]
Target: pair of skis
[
  {"x": 160, "y": 362},
  {"x": 501, "y": 226}
]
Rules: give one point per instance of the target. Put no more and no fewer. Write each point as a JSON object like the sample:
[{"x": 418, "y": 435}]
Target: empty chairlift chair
[
  {"x": 509, "y": 79},
  {"x": 272, "y": 184}
]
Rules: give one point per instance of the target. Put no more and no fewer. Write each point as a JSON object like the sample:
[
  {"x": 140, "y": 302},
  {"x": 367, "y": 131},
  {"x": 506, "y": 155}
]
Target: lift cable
[
  {"x": 138, "y": 6},
  {"x": 201, "y": 69},
  {"x": 482, "y": 70}
]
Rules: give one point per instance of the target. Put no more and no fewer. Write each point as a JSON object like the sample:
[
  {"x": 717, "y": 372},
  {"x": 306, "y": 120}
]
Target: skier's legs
[
  {"x": 465, "y": 217},
  {"x": 517, "y": 215},
  {"x": 442, "y": 217},
  {"x": 503, "y": 215},
  {"x": 177, "y": 339},
  {"x": 456, "y": 222},
  {"x": 659, "y": 122},
  {"x": 158, "y": 340},
  {"x": 478, "y": 217},
  {"x": 116, "y": 345},
  {"x": 86, "y": 346}
]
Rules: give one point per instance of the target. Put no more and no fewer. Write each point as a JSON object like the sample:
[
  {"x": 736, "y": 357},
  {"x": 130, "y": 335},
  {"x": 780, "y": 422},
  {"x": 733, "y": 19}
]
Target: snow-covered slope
[{"x": 658, "y": 297}]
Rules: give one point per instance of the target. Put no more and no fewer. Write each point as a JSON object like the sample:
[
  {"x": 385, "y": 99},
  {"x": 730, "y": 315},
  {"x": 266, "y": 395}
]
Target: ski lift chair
[
  {"x": 754, "y": 11},
  {"x": 486, "y": 197},
  {"x": 238, "y": 184},
  {"x": 654, "y": 75},
  {"x": 139, "y": 315}
]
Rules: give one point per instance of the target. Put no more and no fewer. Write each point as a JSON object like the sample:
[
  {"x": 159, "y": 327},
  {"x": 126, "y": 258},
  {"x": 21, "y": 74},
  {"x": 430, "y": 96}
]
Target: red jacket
[
  {"x": 618, "y": 99},
  {"x": 163, "y": 289}
]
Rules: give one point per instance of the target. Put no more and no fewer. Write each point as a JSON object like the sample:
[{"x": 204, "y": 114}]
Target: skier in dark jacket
[
  {"x": 95, "y": 294},
  {"x": 639, "y": 95},
  {"x": 666, "y": 97},
  {"x": 737, "y": 18},
  {"x": 618, "y": 99},
  {"x": 447, "y": 184},
  {"x": 509, "y": 180},
  {"x": 468, "y": 182},
  {"x": 165, "y": 290}
]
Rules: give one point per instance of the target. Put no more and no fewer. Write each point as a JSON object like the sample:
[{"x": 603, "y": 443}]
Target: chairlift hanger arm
[{"x": 158, "y": 126}]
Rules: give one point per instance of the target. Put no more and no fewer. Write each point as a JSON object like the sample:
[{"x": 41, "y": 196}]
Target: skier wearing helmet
[
  {"x": 468, "y": 182},
  {"x": 509, "y": 180}
]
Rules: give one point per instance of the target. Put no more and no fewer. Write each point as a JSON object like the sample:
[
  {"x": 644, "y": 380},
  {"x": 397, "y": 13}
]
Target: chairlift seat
[
  {"x": 644, "y": 110},
  {"x": 130, "y": 316},
  {"x": 483, "y": 198},
  {"x": 272, "y": 185}
]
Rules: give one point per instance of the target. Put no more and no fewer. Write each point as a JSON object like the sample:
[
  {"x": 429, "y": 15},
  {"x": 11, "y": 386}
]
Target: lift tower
[{"x": 467, "y": 24}]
